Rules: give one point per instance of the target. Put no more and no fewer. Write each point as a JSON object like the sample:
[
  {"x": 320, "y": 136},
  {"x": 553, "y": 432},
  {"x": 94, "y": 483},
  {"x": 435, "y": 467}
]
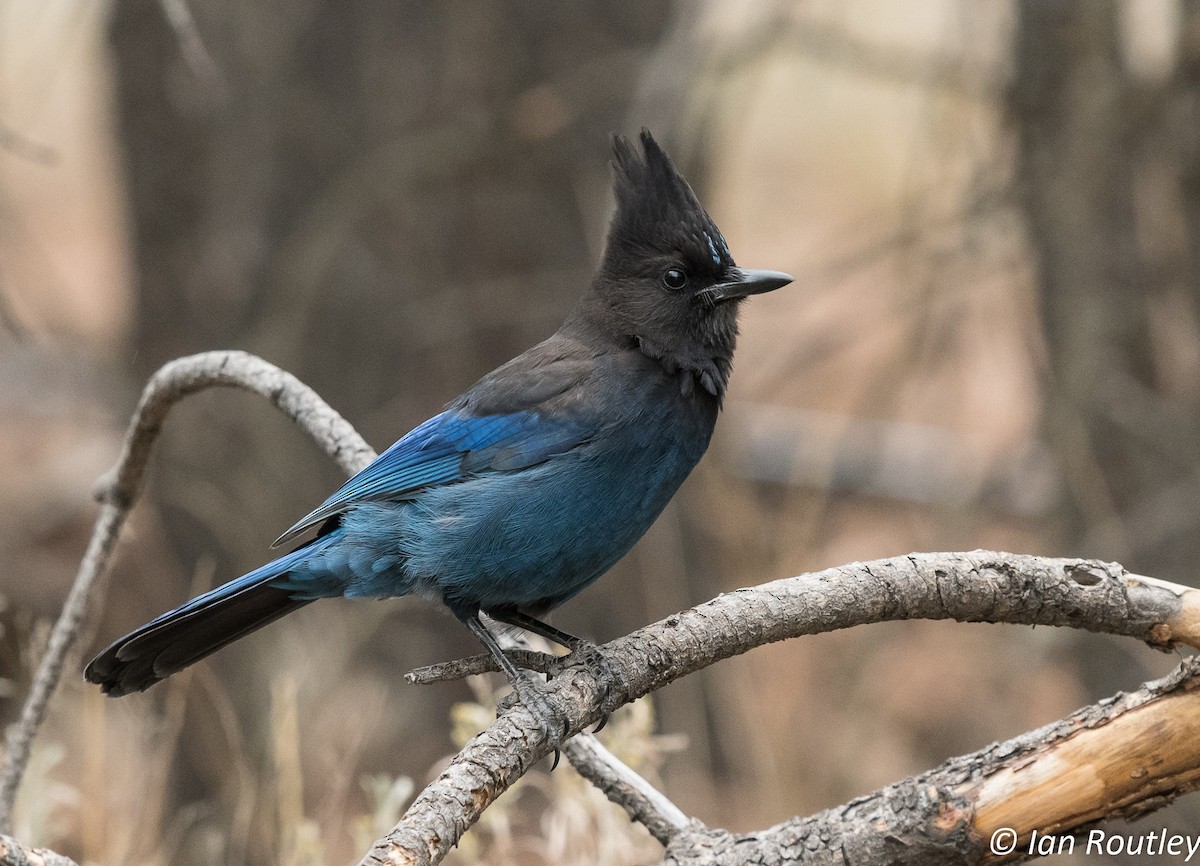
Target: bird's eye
[{"x": 674, "y": 278}]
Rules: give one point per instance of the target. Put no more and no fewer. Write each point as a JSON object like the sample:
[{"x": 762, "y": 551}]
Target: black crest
[{"x": 656, "y": 206}]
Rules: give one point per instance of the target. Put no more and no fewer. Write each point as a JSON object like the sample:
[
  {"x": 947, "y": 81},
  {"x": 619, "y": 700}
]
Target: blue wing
[{"x": 447, "y": 448}]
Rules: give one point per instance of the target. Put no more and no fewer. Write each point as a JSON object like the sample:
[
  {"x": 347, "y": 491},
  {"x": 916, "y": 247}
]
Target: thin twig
[
  {"x": 642, "y": 801},
  {"x": 49, "y": 672},
  {"x": 458, "y": 669}
]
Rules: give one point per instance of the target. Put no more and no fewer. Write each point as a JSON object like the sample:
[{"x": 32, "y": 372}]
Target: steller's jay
[{"x": 534, "y": 481}]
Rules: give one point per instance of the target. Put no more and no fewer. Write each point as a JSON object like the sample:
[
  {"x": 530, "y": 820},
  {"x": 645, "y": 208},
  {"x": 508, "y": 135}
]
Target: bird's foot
[
  {"x": 552, "y": 722},
  {"x": 612, "y": 681}
]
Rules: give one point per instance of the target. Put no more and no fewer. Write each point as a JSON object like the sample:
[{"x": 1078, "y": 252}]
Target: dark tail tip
[
  {"x": 116, "y": 678},
  {"x": 173, "y": 641}
]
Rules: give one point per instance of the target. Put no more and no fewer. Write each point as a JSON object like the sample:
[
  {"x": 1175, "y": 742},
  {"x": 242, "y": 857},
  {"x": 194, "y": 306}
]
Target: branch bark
[{"x": 13, "y": 853}]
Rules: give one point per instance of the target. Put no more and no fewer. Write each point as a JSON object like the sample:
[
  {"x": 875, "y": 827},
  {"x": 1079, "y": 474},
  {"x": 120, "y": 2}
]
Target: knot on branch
[
  {"x": 700, "y": 844},
  {"x": 107, "y": 490}
]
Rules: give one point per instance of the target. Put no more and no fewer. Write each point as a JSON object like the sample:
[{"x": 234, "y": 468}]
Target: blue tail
[{"x": 180, "y": 637}]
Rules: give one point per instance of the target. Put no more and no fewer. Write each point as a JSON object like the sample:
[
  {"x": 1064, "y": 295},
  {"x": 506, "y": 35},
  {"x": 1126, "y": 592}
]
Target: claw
[
  {"x": 582, "y": 652},
  {"x": 553, "y": 724},
  {"x": 607, "y": 675}
]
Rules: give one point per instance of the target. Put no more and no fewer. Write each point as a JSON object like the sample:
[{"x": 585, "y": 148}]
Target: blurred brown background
[{"x": 993, "y": 214}]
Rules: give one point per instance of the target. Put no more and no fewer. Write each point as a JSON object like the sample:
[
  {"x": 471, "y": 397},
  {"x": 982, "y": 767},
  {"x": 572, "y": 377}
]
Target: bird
[{"x": 538, "y": 478}]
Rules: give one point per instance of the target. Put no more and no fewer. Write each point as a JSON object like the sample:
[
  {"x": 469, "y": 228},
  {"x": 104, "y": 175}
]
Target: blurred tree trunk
[
  {"x": 1076, "y": 167},
  {"x": 1108, "y": 177},
  {"x": 1182, "y": 144},
  {"x": 1107, "y": 169}
]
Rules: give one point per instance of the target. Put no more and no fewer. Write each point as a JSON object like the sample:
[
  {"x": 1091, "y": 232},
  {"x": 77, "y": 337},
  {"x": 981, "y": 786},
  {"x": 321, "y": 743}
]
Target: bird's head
[{"x": 667, "y": 279}]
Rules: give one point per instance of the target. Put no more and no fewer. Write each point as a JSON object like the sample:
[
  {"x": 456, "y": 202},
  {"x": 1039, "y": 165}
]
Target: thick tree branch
[
  {"x": 972, "y": 587},
  {"x": 1120, "y": 758}
]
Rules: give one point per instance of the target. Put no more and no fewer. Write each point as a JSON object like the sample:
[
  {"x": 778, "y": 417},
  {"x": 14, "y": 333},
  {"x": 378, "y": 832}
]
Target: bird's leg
[
  {"x": 549, "y": 632},
  {"x": 607, "y": 675},
  {"x": 535, "y": 700}
]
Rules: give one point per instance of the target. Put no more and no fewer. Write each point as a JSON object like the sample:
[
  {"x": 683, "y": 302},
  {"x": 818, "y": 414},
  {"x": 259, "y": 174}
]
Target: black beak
[{"x": 748, "y": 281}]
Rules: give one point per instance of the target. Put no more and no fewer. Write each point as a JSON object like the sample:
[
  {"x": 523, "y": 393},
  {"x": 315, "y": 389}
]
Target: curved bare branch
[{"x": 119, "y": 489}]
